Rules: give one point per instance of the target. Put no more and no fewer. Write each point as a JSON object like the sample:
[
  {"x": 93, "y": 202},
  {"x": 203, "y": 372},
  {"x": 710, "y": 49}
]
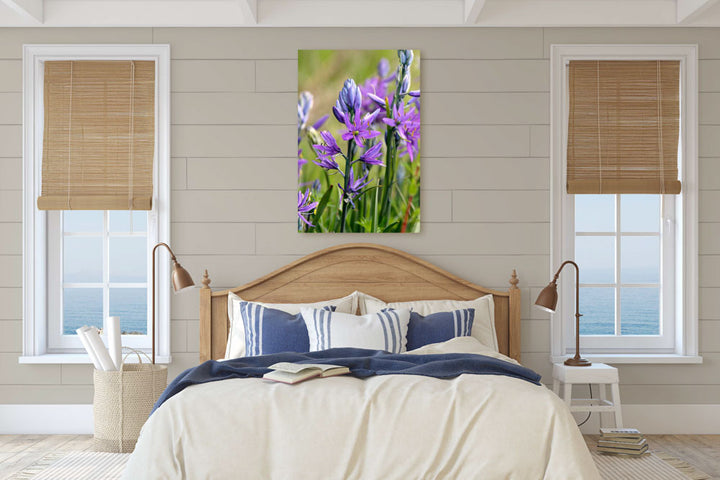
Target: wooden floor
[
  {"x": 19, "y": 451},
  {"x": 700, "y": 451}
]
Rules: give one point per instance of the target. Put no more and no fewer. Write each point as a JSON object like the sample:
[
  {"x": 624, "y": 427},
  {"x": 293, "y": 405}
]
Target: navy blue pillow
[
  {"x": 439, "y": 327},
  {"x": 268, "y": 330}
]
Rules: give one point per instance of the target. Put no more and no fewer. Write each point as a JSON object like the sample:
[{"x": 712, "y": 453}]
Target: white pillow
[
  {"x": 460, "y": 345},
  {"x": 483, "y": 324},
  {"x": 236, "y": 336},
  {"x": 377, "y": 331}
]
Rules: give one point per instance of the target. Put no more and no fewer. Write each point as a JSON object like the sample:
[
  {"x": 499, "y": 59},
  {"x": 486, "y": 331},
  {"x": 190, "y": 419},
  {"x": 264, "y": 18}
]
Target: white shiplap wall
[{"x": 485, "y": 198}]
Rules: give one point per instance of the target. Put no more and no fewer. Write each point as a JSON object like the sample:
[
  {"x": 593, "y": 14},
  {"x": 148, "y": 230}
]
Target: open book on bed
[{"x": 292, "y": 373}]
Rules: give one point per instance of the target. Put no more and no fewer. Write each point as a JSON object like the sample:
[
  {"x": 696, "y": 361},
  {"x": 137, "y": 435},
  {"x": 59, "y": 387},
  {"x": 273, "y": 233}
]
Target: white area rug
[
  {"x": 76, "y": 466},
  {"x": 651, "y": 466},
  {"x": 110, "y": 466}
]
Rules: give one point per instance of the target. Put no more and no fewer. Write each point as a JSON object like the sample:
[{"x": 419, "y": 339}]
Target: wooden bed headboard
[{"x": 383, "y": 272}]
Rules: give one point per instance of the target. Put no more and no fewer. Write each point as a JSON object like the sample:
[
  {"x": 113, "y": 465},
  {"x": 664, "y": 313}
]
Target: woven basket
[{"x": 123, "y": 401}]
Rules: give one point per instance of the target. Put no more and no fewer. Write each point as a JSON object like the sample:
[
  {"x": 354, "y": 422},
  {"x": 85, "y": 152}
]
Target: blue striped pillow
[
  {"x": 439, "y": 327},
  {"x": 273, "y": 331},
  {"x": 377, "y": 331}
]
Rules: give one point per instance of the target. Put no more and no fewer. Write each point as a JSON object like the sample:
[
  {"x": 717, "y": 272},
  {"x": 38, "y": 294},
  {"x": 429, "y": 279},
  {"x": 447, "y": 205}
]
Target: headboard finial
[
  {"x": 514, "y": 280},
  {"x": 206, "y": 280}
]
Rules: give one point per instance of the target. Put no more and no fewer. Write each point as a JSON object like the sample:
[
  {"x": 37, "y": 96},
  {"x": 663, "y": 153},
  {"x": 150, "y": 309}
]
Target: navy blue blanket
[{"x": 361, "y": 362}]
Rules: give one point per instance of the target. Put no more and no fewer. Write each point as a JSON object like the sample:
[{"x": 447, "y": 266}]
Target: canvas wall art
[{"x": 358, "y": 141}]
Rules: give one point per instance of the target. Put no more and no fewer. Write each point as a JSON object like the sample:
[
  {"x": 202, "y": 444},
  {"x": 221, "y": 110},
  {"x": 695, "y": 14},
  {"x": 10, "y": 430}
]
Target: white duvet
[{"x": 383, "y": 427}]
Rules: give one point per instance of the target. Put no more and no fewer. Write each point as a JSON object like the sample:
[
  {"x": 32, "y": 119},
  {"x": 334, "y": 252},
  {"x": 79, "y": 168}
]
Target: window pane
[
  {"x": 130, "y": 304},
  {"x": 640, "y": 260},
  {"x": 82, "y": 260},
  {"x": 640, "y": 311},
  {"x": 640, "y": 213},
  {"x": 128, "y": 259},
  {"x": 139, "y": 221},
  {"x": 82, "y": 306},
  {"x": 87, "y": 221},
  {"x": 597, "y": 306},
  {"x": 596, "y": 258},
  {"x": 119, "y": 221},
  {"x": 594, "y": 213}
]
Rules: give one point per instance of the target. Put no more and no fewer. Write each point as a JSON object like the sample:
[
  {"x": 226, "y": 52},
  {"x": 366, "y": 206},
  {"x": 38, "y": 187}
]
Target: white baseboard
[
  {"x": 650, "y": 419},
  {"x": 662, "y": 419},
  {"x": 46, "y": 419}
]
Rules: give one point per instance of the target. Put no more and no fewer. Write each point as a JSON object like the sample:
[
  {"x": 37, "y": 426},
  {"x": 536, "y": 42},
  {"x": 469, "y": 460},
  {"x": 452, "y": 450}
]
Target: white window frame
[
  {"x": 57, "y": 342},
  {"x": 35, "y": 222},
  {"x": 684, "y": 347}
]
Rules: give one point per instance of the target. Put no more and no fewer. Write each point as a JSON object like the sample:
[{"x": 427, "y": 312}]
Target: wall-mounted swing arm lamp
[
  {"x": 181, "y": 280},
  {"x": 547, "y": 300}
]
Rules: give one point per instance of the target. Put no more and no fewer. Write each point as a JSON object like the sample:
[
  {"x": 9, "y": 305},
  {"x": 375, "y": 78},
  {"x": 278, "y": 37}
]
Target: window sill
[
  {"x": 626, "y": 358},
  {"x": 77, "y": 359}
]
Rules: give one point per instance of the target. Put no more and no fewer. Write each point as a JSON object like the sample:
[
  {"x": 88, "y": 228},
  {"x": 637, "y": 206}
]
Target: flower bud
[
  {"x": 405, "y": 86},
  {"x": 383, "y": 67},
  {"x": 314, "y": 136},
  {"x": 350, "y": 98},
  {"x": 406, "y": 57}
]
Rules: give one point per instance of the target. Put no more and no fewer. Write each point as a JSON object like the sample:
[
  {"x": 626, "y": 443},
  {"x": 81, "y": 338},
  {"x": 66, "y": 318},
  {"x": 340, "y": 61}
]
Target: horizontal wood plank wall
[{"x": 485, "y": 198}]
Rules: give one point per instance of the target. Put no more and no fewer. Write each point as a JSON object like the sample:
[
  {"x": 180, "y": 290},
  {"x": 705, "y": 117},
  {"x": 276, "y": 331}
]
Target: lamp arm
[
  {"x": 172, "y": 255},
  {"x": 577, "y": 283}
]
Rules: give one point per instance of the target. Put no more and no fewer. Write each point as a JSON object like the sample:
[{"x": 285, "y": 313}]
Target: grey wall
[{"x": 485, "y": 197}]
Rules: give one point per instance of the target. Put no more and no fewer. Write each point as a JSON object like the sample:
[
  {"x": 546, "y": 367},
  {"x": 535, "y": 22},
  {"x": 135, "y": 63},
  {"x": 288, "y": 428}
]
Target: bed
[{"x": 389, "y": 426}]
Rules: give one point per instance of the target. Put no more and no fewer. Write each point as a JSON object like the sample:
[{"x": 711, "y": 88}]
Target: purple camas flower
[
  {"x": 372, "y": 155},
  {"x": 359, "y": 129},
  {"x": 402, "y": 120},
  {"x": 354, "y": 187},
  {"x": 412, "y": 141},
  {"x": 305, "y": 206},
  {"x": 330, "y": 147},
  {"x": 326, "y": 152}
]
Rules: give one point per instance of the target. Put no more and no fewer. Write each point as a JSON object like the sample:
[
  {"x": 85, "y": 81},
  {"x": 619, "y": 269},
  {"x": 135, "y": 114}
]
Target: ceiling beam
[
  {"x": 688, "y": 10},
  {"x": 472, "y": 10},
  {"x": 32, "y": 9},
  {"x": 249, "y": 10}
]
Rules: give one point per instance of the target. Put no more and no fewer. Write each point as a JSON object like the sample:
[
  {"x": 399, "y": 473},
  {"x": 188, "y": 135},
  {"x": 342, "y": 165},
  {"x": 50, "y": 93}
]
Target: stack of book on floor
[{"x": 624, "y": 441}]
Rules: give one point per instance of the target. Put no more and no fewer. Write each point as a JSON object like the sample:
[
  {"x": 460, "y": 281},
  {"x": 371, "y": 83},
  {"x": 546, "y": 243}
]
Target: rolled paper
[
  {"x": 88, "y": 348},
  {"x": 114, "y": 341},
  {"x": 99, "y": 347}
]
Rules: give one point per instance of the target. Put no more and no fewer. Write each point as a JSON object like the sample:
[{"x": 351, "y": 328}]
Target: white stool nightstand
[{"x": 597, "y": 373}]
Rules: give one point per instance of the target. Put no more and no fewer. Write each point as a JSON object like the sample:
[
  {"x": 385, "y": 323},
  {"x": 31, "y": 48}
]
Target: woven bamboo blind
[
  {"x": 624, "y": 127},
  {"x": 99, "y": 135}
]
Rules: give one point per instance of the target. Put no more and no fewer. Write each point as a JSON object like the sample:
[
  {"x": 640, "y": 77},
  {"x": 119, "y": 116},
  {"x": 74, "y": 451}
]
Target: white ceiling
[{"x": 366, "y": 13}]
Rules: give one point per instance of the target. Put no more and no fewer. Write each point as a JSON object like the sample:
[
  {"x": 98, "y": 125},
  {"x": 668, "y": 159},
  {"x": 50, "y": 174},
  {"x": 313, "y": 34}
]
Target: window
[
  {"x": 637, "y": 252},
  {"x": 82, "y": 266},
  {"x": 99, "y": 262}
]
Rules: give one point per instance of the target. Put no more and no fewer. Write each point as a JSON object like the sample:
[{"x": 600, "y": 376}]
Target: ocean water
[
  {"x": 83, "y": 306},
  {"x": 639, "y": 307}
]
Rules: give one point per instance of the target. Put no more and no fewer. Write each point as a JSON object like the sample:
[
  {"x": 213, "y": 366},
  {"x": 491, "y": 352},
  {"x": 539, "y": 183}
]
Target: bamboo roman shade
[
  {"x": 99, "y": 135},
  {"x": 624, "y": 127}
]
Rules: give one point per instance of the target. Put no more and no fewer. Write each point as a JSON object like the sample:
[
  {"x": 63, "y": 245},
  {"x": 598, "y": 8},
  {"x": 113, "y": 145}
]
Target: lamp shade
[
  {"x": 547, "y": 300},
  {"x": 181, "y": 279}
]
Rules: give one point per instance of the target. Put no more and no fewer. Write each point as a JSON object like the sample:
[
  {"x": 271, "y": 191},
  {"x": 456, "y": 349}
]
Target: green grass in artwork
[{"x": 358, "y": 141}]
